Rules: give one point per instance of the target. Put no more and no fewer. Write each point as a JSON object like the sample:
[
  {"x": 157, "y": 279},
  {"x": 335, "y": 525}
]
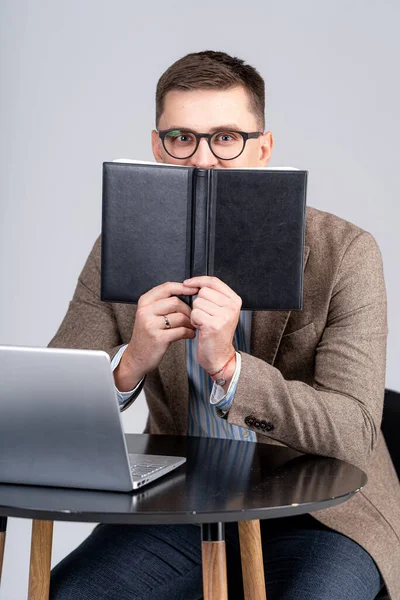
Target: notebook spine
[
  {"x": 211, "y": 212},
  {"x": 199, "y": 253}
]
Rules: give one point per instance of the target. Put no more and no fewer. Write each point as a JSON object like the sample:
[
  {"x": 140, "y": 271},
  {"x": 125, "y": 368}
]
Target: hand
[
  {"x": 150, "y": 337},
  {"x": 215, "y": 314}
]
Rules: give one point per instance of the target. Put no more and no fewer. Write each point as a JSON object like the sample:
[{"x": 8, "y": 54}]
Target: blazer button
[
  {"x": 269, "y": 427},
  {"x": 249, "y": 420},
  {"x": 257, "y": 424},
  {"x": 263, "y": 424}
]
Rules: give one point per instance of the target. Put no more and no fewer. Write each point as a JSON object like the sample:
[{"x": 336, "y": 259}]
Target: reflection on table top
[{"x": 222, "y": 480}]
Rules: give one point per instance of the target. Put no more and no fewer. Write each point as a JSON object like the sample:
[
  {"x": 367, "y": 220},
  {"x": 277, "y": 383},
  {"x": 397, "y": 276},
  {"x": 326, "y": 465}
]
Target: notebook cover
[
  {"x": 257, "y": 238},
  {"x": 146, "y": 228}
]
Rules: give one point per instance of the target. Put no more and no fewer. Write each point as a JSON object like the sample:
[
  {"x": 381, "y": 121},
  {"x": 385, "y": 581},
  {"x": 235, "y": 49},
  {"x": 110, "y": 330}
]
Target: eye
[
  {"x": 180, "y": 137},
  {"x": 226, "y": 137}
]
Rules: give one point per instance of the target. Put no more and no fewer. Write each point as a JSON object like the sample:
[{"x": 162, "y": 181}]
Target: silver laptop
[{"x": 60, "y": 423}]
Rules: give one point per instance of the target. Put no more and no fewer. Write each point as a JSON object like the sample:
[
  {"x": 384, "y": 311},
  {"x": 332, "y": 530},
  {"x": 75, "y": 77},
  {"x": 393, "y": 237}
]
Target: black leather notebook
[{"x": 168, "y": 223}]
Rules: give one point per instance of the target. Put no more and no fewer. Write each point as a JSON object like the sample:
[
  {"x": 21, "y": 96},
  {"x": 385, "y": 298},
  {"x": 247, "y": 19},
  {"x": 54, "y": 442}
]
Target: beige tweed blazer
[{"x": 317, "y": 375}]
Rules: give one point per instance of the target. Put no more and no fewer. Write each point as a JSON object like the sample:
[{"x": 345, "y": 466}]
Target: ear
[
  {"x": 156, "y": 146},
  {"x": 266, "y": 145}
]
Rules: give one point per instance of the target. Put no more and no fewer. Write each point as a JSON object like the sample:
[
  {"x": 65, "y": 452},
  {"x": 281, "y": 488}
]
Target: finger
[
  {"x": 165, "y": 290},
  {"x": 211, "y": 282},
  {"x": 171, "y": 305},
  {"x": 207, "y": 307},
  {"x": 213, "y": 296},
  {"x": 199, "y": 318},
  {"x": 175, "y": 320}
]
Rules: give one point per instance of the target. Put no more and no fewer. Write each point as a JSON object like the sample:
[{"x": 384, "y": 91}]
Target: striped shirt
[{"x": 204, "y": 394}]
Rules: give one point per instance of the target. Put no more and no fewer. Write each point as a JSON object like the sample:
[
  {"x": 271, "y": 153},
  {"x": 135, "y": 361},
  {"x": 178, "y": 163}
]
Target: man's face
[{"x": 207, "y": 111}]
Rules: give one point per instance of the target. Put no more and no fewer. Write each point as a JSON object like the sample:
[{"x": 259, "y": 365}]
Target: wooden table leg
[
  {"x": 3, "y": 527},
  {"x": 252, "y": 560},
  {"x": 39, "y": 573},
  {"x": 215, "y": 583}
]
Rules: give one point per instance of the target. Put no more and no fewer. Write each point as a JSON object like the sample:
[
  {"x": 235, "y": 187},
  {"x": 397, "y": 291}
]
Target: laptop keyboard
[{"x": 141, "y": 470}]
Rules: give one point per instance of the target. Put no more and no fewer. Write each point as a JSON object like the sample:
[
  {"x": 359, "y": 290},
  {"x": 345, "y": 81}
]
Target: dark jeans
[{"x": 303, "y": 560}]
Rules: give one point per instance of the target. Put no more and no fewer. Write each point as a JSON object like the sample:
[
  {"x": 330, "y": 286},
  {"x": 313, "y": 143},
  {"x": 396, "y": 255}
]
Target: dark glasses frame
[{"x": 245, "y": 135}]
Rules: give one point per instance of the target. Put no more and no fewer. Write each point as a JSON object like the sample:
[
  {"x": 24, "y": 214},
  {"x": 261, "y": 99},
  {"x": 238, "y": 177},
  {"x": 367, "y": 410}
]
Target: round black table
[{"x": 221, "y": 481}]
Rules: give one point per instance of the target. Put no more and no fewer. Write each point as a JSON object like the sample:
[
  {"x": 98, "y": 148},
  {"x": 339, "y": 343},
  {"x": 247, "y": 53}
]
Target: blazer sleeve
[
  {"x": 89, "y": 323},
  {"x": 340, "y": 414}
]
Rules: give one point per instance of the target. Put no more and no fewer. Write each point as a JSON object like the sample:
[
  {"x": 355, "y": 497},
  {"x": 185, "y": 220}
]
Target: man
[{"x": 315, "y": 376}]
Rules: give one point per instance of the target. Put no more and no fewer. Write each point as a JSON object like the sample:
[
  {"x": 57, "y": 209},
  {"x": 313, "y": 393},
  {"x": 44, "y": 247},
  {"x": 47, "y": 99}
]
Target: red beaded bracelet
[{"x": 221, "y": 380}]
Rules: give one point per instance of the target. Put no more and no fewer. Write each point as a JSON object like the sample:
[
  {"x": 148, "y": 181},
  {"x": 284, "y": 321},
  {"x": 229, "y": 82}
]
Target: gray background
[{"x": 77, "y": 88}]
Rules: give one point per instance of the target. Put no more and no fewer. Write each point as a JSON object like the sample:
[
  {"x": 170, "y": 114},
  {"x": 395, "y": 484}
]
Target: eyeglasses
[{"x": 226, "y": 145}]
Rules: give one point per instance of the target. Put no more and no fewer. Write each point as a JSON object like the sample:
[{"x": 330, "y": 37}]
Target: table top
[{"x": 221, "y": 481}]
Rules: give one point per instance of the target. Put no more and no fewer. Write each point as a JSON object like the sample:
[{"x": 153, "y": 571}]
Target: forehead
[{"x": 203, "y": 110}]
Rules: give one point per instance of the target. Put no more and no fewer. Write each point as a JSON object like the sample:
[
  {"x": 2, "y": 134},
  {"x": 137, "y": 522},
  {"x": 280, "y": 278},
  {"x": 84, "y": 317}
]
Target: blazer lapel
[{"x": 267, "y": 328}]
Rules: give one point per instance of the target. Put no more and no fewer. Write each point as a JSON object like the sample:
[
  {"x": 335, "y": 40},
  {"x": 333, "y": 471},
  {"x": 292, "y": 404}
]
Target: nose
[{"x": 203, "y": 158}]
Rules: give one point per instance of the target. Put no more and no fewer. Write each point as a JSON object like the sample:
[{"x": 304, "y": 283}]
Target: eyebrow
[{"x": 229, "y": 126}]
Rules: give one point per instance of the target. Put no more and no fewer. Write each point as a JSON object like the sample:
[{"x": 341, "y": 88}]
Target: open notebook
[{"x": 164, "y": 222}]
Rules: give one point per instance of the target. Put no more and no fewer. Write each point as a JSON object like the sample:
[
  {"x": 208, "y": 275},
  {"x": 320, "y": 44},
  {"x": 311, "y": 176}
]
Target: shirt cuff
[
  {"x": 221, "y": 399},
  {"x": 124, "y": 397}
]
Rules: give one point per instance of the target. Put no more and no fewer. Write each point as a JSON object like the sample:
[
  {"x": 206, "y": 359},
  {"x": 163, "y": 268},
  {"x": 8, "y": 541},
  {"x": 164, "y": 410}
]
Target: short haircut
[{"x": 212, "y": 70}]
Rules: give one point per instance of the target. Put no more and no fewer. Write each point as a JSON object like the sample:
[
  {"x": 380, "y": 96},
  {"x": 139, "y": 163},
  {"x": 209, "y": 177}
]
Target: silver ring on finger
[{"x": 167, "y": 323}]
